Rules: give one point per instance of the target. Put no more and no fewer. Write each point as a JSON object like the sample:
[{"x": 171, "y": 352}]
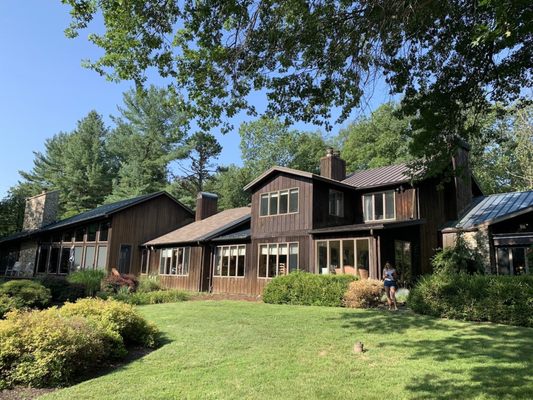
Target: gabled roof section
[
  {"x": 205, "y": 229},
  {"x": 495, "y": 208},
  {"x": 381, "y": 176},
  {"x": 295, "y": 172},
  {"x": 96, "y": 213}
]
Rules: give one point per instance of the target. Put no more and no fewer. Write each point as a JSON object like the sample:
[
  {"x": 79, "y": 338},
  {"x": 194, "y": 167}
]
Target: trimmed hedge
[
  {"x": 499, "y": 299},
  {"x": 308, "y": 289}
]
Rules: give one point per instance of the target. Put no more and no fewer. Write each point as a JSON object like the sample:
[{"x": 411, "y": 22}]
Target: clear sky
[{"x": 45, "y": 90}]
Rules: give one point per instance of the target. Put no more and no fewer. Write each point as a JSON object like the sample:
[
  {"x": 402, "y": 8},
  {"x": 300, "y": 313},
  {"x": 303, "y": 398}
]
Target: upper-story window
[
  {"x": 279, "y": 202},
  {"x": 336, "y": 203},
  {"x": 379, "y": 206}
]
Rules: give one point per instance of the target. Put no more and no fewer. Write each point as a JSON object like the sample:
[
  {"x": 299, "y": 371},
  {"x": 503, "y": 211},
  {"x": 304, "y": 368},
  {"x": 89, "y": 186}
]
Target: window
[
  {"x": 91, "y": 232},
  {"x": 277, "y": 259},
  {"x": 43, "y": 259},
  {"x": 513, "y": 260},
  {"x": 230, "y": 261},
  {"x": 78, "y": 237},
  {"x": 279, "y": 202},
  {"x": 124, "y": 259},
  {"x": 76, "y": 257},
  {"x": 175, "y": 261},
  {"x": 89, "y": 257},
  {"x": 54, "y": 260},
  {"x": 67, "y": 236},
  {"x": 336, "y": 203},
  {"x": 102, "y": 257},
  {"x": 379, "y": 206},
  {"x": 403, "y": 261},
  {"x": 104, "y": 232},
  {"x": 145, "y": 261},
  {"x": 342, "y": 256},
  {"x": 64, "y": 264}
]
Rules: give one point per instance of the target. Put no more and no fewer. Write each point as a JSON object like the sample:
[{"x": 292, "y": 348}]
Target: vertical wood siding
[{"x": 140, "y": 223}]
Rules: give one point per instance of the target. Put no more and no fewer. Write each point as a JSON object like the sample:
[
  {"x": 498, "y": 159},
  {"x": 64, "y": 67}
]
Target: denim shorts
[{"x": 390, "y": 284}]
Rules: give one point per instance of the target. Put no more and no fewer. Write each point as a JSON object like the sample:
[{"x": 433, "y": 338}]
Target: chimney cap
[{"x": 206, "y": 194}]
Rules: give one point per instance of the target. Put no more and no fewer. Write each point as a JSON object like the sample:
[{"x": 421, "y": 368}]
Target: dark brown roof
[
  {"x": 205, "y": 229},
  {"x": 296, "y": 172},
  {"x": 382, "y": 176}
]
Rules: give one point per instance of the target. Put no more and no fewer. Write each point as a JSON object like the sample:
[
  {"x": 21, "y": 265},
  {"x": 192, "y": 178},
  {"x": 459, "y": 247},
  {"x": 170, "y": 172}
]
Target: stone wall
[
  {"x": 478, "y": 239},
  {"x": 27, "y": 255}
]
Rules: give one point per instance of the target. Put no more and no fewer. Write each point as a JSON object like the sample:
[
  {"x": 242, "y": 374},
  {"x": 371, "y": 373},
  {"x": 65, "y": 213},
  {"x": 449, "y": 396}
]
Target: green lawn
[{"x": 240, "y": 350}]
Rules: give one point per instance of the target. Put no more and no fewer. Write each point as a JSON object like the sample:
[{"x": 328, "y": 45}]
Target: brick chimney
[
  {"x": 206, "y": 205},
  {"x": 332, "y": 165},
  {"x": 463, "y": 176},
  {"x": 41, "y": 210}
]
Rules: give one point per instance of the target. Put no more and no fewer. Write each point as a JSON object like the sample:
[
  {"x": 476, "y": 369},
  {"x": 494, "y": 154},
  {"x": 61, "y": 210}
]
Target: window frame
[
  {"x": 340, "y": 210},
  {"x": 341, "y": 241},
  {"x": 288, "y": 244},
  {"x": 277, "y": 194},
  {"x": 172, "y": 249},
  {"x": 384, "y": 204},
  {"x": 219, "y": 257}
]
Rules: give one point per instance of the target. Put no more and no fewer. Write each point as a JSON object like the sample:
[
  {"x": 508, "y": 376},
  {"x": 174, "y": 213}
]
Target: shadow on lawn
[{"x": 502, "y": 356}]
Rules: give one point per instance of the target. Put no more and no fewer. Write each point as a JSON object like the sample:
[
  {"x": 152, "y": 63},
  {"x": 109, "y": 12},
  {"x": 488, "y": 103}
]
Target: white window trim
[
  {"x": 342, "y": 240},
  {"x": 236, "y": 267},
  {"x": 384, "y": 205},
  {"x": 171, "y": 260},
  {"x": 268, "y": 194},
  {"x": 277, "y": 255}
]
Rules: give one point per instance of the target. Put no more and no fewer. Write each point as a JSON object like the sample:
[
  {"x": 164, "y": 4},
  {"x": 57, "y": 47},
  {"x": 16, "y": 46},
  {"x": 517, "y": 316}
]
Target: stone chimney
[
  {"x": 332, "y": 165},
  {"x": 463, "y": 176},
  {"x": 206, "y": 205},
  {"x": 41, "y": 210}
]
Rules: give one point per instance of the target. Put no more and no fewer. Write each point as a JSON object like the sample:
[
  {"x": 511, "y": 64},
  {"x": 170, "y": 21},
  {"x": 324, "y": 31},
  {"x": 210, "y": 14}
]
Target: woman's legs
[
  {"x": 387, "y": 292},
  {"x": 393, "y": 297}
]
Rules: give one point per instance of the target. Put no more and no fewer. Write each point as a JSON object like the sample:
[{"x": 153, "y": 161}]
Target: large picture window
[
  {"x": 277, "y": 259},
  {"x": 175, "y": 261},
  {"x": 379, "y": 206},
  {"x": 230, "y": 261},
  {"x": 344, "y": 256},
  {"x": 279, "y": 203}
]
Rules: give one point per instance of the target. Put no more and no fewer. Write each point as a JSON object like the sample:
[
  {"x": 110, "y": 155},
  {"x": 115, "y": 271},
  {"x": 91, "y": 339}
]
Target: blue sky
[{"x": 45, "y": 90}]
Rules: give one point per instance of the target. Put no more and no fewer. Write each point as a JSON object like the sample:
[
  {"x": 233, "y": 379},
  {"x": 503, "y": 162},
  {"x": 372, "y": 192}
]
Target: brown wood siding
[
  {"x": 140, "y": 223},
  {"x": 434, "y": 208},
  {"x": 298, "y": 223},
  {"x": 406, "y": 205},
  {"x": 322, "y": 218},
  {"x": 190, "y": 282}
]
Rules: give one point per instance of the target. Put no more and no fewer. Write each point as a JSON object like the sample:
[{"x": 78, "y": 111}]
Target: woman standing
[{"x": 390, "y": 277}]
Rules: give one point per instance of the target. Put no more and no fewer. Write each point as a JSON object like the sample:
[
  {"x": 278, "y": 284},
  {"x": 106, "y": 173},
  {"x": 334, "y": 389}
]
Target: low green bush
[
  {"x": 156, "y": 297},
  {"x": 6, "y": 304},
  {"x": 115, "y": 316},
  {"x": 44, "y": 348},
  {"x": 308, "y": 289},
  {"x": 500, "y": 299},
  {"x": 26, "y": 293},
  {"x": 149, "y": 284},
  {"x": 91, "y": 280},
  {"x": 458, "y": 258},
  {"x": 62, "y": 290}
]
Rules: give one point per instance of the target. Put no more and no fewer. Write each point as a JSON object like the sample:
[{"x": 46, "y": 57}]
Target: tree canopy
[{"x": 447, "y": 58}]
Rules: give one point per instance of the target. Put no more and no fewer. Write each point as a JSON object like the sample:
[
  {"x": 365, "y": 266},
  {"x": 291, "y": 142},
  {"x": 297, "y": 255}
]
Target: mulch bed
[
  {"x": 225, "y": 296},
  {"x": 23, "y": 393}
]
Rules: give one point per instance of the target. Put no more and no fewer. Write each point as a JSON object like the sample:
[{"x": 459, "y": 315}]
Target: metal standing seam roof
[
  {"x": 496, "y": 207},
  {"x": 240, "y": 235},
  {"x": 204, "y": 229},
  {"x": 98, "y": 212},
  {"x": 391, "y": 174}
]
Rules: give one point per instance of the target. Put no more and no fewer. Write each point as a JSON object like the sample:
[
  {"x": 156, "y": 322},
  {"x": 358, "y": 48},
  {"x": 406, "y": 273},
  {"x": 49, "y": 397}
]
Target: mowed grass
[{"x": 240, "y": 350}]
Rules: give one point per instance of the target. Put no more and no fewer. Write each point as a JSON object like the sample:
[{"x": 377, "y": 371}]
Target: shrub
[
  {"x": 157, "y": 297},
  {"x": 62, "y": 290},
  {"x": 307, "y": 289},
  {"x": 460, "y": 258},
  {"x": 26, "y": 293},
  {"x": 116, "y": 317},
  {"x": 6, "y": 304},
  {"x": 365, "y": 293},
  {"x": 90, "y": 279},
  {"x": 500, "y": 299},
  {"x": 115, "y": 283},
  {"x": 149, "y": 284},
  {"x": 43, "y": 348}
]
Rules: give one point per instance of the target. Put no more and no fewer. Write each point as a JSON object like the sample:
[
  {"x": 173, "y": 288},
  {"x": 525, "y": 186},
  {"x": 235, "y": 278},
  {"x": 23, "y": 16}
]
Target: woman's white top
[{"x": 389, "y": 274}]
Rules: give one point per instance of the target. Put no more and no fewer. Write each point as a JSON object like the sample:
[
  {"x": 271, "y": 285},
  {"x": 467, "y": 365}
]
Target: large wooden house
[{"x": 325, "y": 224}]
